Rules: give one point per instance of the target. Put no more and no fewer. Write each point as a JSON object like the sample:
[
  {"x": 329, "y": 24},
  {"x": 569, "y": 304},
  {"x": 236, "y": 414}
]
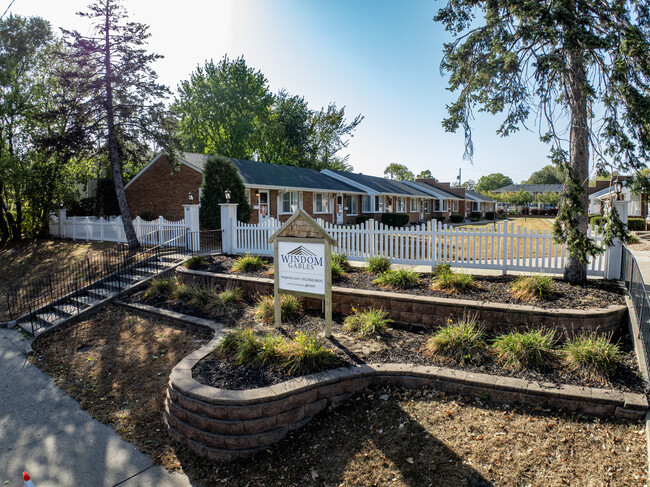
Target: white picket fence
[
  {"x": 504, "y": 247},
  {"x": 112, "y": 229}
]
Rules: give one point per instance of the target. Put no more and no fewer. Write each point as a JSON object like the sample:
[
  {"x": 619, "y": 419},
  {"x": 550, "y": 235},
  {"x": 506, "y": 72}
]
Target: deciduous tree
[
  {"x": 489, "y": 183},
  {"x": 547, "y": 175},
  {"x": 399, "y": 172}
]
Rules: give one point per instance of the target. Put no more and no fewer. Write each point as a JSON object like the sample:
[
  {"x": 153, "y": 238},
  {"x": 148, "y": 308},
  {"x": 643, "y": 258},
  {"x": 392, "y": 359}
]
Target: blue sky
[{"x": 379, "y": 58}]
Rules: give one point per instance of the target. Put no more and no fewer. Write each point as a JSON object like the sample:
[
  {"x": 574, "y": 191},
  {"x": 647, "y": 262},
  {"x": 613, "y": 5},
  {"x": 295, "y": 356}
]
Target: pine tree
[
  {"x": 123, "y": 100},
  {"x": 581, "y": 66}
]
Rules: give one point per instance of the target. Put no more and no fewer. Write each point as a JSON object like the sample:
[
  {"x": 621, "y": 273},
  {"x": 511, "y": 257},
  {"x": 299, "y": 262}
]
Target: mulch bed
[
  {"x": 402, "y": 344},
  {"x": 596, "y": 293},
  {"x": 386, "y": 436}
]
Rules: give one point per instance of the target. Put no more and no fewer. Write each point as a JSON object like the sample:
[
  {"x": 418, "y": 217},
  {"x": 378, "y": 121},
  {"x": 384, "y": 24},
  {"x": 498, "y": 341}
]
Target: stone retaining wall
[
  {"x": 432, "y": 311},
  {"x": 225, "y": 425}
]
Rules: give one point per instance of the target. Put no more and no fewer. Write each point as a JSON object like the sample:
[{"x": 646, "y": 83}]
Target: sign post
[{"x": 302, "y": 263}]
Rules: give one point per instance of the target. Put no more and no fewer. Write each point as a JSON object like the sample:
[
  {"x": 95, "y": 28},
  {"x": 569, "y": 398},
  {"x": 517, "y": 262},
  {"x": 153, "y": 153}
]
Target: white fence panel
[
  {"x": 112, "y": 230},
  {"x": 502, "y": 247}
]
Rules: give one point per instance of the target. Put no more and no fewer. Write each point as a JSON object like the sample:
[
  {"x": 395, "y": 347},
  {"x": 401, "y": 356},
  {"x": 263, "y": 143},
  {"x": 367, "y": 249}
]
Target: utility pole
[{"x": 458, "y": 178}]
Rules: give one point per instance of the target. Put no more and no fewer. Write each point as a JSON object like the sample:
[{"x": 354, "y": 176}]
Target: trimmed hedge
[
  {"x": 633, "y": 223},
  {"x": 362, "y": 219},
  {"x": 489, "y": 215},
  {"x": 455, "y": 218},
  {"x": 475, "y": 214},
  {"x": 394, "y": 219}
]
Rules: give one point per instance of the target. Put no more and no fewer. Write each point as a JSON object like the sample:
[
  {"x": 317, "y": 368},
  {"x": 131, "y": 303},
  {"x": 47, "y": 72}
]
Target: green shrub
[
  {"x": 398, "y": 279},
  {"x": 213, "y": 304},
  {"x": 476, "y": 214},
  {"x": 302, "y": 354},
  {"x": 530, "y": 349},
  {"x": 527, "y": 288},
  {"x": 337, "y": 270},
  {"x": 394, "y": 219},
  {"x": 378, "y": 264},
  {"x": 439, "y": 269},
  {"x": 454, "y": 282},
  {"x": 148, "y": 216},
  {"x": 306, "y": 353},
  {"x": 489, "y": 215},
  {"x": 456, "y": 218},
  {"x": 182, "y": 293},
  {"x": 362, "y": 219},
  {"x": 158, "y": 288},
  {"x": 248, "y": 263},
  {"x": 592, "y": 356},
  {"x": 632, "y": 239},
  {"x": 290, "y": 308},
  {"x": 194, "y": 262},
  {"x": 341, "y": 260},
  {"x": 461, "y": 341},
  {"x": 231, "y": 296},
  {"x": 367, "y": 323}
]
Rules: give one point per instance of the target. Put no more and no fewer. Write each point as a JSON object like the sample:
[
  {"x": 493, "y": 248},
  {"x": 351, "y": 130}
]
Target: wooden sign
[{"x": 302, "y": 263}]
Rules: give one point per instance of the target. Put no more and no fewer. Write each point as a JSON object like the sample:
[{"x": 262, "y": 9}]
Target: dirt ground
[
  {"x": 116, "y": 365},
  {"x": 537, "y": 224},
  {"x": 33, "y": 258}
]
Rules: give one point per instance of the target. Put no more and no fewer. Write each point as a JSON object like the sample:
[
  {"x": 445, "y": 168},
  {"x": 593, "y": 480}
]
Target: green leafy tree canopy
[
  {"x": 547, "y": 175},
  {"x": 487, "y": 184},
  {"x": 399, "y": 172}
]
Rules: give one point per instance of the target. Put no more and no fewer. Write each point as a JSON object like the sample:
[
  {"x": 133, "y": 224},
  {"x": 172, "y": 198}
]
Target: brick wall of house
[{"x": 161, "y": 192}]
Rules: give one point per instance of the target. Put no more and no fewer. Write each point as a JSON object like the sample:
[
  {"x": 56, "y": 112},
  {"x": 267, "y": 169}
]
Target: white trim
[
  {"x": 161, "y": 153},
  {"x": 356, "y": 198},
  {"x": 329, "y": 204},
  {"x": 280, "y": 197}
]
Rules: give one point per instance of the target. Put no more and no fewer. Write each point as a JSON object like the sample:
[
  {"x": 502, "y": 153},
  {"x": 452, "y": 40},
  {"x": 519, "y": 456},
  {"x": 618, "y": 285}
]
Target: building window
[
  {"x": 379, "y": 204},
  {"x": 414, "y": 205},
  {"x": 352, "y": 202},
  {"x": 436, "y": 205},
  {"x": 445, "y": 205},
  {"x": 321, "y": 203},
  {"x": 455, "y": 205},
  {"x": 366, "y": 204},
  {"x": 289, "y": 202},
  {"x": 400, "y": 206}
]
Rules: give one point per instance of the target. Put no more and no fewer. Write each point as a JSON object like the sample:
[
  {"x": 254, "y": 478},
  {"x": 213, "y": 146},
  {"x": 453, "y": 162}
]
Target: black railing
[
  {"x": 633, "y": 280},
  {"x": 68, "y": 291}
]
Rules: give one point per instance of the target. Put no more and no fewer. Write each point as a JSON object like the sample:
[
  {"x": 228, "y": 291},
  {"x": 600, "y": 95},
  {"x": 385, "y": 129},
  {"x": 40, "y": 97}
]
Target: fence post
[
  {"x": 192, "y": 225},
  {"x": 228, "y": 227},
  {"x": 61, "y": 214},
  {"x": 615, "y": 252}
]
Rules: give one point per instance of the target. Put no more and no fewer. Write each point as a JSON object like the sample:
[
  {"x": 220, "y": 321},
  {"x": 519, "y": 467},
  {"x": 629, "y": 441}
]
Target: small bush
[
  {"x": 290, "y": 308},
  {"x": 475, "y": 214},
  {"x": 194, "y": 262},
  {"x": 337, "y": 270},
  {"x": 633, "y": 239},
  {"x": 454, "y": 282},
  {"x": 593, "y": 357},
  {"x": 213, "y": 304},
  {"x": 158, "y": 288},
  {"x": 231, "y": 296},
  {"x": 528, "y": 288},
  {"x": 394, "y": 219},
  {"x": 398, "y": 279},
  {"x": 300, "y": 355},
  {"x": 461, "y": 341},
  {"x": 362, "y": 219},
  {"x": 440, "y": 269},
  {"x": 456, "y": 218},
  {"x": 341, "y": 260},
  {"x": 248, "y": 263},
  {"x": 367, "y": 323},
  {"x": 148, "y": 216},
  {"x": 378, "y": 264},
  {"x": 489, "y": 215},
  {"x": 306, "y": 353},
  {"x": 182, "y": 293},
  {"x": 530, "y": 349}
]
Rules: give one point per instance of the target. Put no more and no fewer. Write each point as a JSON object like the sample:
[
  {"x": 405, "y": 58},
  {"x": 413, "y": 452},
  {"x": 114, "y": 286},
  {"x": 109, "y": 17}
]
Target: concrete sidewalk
[{"x": 45, "y": 432}]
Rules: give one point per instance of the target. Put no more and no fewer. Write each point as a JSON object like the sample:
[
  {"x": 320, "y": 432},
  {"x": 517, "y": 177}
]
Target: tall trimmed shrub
[{"x": 220, "y": 174}]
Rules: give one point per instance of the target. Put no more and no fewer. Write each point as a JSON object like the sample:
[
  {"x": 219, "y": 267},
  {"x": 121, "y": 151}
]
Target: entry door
[
  {"x": 421, "y": 210},
  {"x": 339, "y": 210},
  {"x": 264, "y": 205}
]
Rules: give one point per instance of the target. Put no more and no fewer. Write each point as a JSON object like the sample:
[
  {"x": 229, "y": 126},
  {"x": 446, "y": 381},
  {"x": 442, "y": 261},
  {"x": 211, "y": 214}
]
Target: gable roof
[
  {"x": 376, "y": 184},
  {"x": 478, "y": 196},
  {"x": 434, "y": 191},
  {"x": 531, "y": 188}
]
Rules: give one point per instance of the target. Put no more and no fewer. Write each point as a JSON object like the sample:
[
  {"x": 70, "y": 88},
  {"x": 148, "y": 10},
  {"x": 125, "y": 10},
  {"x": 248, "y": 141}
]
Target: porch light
[
  {"x": 191, "y": 197},
  {"x": 61, "y": 205},
  {"x": 618, "y": 185},
  {"x": 227, "y": 193}
]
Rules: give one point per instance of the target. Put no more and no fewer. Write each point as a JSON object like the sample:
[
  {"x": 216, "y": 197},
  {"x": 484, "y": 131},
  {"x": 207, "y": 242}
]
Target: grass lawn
[
  {"x": 537, "y": 224},
  {"x": 116, "y": 365},
  {"x": 34, "y": 258}
]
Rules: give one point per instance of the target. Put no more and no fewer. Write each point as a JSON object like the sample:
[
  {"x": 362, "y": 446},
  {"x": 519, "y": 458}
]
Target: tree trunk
[
  {"x": 575, "y": 271},
  {"x": 113, "y": 144}
]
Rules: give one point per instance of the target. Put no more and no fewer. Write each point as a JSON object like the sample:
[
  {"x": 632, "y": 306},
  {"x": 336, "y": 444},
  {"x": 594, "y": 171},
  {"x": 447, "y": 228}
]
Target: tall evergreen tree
[
  {"x": 582, "y": 66},
  {"x": 123, "y": 100}
]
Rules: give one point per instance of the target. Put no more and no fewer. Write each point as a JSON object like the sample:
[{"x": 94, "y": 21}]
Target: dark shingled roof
[
  {"x": 382, "y": 185},
  {"x": 255, "y": 173},
  {"x": 531, "y": 188},
  {"x": 478, "y": 196},
  {"x": 263, "y": 174}
]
